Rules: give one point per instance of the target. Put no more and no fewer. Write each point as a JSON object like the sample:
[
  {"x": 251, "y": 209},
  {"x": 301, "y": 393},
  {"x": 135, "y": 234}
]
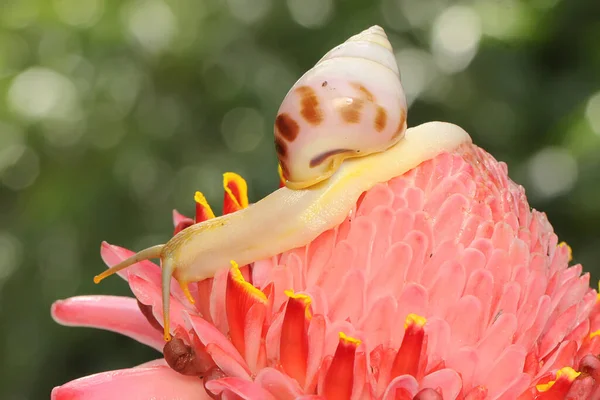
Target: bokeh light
[
  {"x": 311, "y": 13},
  {"x": 592, "y": 112},
  {"x": 552, "y": 171},
  {"x": 455, "y": 37},
  {"x": 151, "y": 23}
]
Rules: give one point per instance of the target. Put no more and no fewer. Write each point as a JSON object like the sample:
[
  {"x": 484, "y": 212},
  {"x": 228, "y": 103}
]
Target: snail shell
[{"x": 350, "y": 104}]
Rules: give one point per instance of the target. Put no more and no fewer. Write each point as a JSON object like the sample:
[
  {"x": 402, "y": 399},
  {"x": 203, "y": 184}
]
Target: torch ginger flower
[{"x": 441, "y": 284}]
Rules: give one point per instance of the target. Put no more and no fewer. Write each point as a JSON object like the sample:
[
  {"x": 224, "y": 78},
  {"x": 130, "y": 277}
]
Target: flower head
[{"x": 441, "y": 284}]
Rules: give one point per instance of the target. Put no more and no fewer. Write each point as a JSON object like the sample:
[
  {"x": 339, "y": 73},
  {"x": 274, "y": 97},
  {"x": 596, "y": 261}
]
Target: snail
[{"x": 340, "y": 130}]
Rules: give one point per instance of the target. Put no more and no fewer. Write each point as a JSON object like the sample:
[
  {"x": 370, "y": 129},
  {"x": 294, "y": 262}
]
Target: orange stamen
[
  {"x": 409, "y": 355},
  {"x": 236, "y": 193},
  {"x": 340, "y": 376},
  {"x": 294, "y": 336},
  {"x": 203, "y": 210},
  {"x": 240, "y": 296}
]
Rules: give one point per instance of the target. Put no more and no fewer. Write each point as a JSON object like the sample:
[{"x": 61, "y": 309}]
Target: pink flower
[{"x": 441, "y": 284}]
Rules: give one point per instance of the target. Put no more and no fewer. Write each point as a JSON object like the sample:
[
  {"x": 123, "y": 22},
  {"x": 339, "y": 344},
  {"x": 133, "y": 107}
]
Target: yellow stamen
[
  {"x": 595, "y": 333},
  {"x": 569, "y": 373},
  {"x": 201, "y": 200},
  {"x": 237, "y": 276},
  {"x": 349, "y": 340},
  {"x": 186, "y": 292},
  {"x": 304, "y": 297},
  {"x": 414, "y": 319},
  {"x": 241, "y": 185}
]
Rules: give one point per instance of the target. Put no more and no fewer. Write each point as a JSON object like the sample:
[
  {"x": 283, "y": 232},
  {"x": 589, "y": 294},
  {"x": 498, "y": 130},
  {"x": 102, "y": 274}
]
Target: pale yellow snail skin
[{"x": 289, "y": 218}]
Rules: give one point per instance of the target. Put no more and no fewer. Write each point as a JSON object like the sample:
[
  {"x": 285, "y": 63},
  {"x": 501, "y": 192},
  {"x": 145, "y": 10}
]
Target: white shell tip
[{"x": 374, "y": 34}]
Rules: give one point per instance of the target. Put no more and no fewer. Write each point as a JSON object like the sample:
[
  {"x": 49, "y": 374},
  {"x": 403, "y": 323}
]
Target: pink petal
[
  {"x": 558, "y": 329},
  {"x": 316, "y": 346},
  {"x": 254, "y": 347},
  {"x": 245, "y": 389},
  {"x": 208, "y": 334},
  {"x": 464, "y": 319},
  {"x": 506, "y": 369},
  {"x": 149, "y": 294},
  {"x": 226, "y": 363},
  {"x": 497, "y": 338},
  {"x": 405, "y": 382},
  {"x": 279, "y": 385},
  {"x": 112, "y": 255},
  {"x": 179, "y": 218},
  {"x": 111, "y": 313},
  {"x": 438, "y": 341},
  {"x": 516, "y": 387},
  {"x": 464, "y": 361},
  {"x": 447, "y": 287},
  {"x": 135, "y": 383},
  {"x": 445, "y": 379}
]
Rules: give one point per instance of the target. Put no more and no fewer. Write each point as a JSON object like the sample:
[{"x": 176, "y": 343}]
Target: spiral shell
[{"x": 350, "y": 104}]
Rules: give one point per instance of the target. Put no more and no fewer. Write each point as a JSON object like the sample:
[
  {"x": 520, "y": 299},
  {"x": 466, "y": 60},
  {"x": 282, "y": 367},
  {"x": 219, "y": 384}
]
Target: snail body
[{"x": 314, "y": 199}]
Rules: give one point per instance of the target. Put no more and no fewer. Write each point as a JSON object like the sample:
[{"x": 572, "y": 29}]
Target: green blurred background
[{"x": 112, "y": 113}]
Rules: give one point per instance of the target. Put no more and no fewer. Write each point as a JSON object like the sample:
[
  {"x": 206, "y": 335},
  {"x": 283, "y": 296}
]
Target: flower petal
[
  {"x": 401, "y": 385},
  {"x": 208, "y": 334},
  {"x": 338, "y": 382},
  {"x": 445, "y": 379},
  {"x": 240, "y": 297},
  {"x": 247, "y": 390},
  {"x": 279, "y": 385},
  {"x": 203, "y": 210},
  {"x": 236, "y": 193},
  {"x": 409, "y": 355},
  {"x": 150, "y": 295},
  {"x": 226, "y": 363},
  {"x": 111, "y": 313},
  {"x": 134, "y": 383},
  {"x": 112, "y": 255},
  {"x": 294, "y": 336},
  {"x": 179, "y": 218}
]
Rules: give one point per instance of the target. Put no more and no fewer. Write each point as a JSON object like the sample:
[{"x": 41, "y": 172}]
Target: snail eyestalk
[
  {"x": 167, "y": 273},
  {"x": 146, "y": 254}
]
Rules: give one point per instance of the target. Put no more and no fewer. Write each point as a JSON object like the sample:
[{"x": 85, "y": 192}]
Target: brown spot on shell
[
  {"x": 280, "y": 147},
  {"x": 324, "y": 84},
  {"x": 318, "y": 160},
  {"x": 147, "y": 312},
  {"x": 380, "y": 119},
  {"x": 182, "y": 358},
  {"x": 351, "y": 111},
  {"x": 400, "y": 128},
  {"x": 287, "y": 127},
  {"x": 368, "y": 95},
  {"x": 309, "y": 105}
]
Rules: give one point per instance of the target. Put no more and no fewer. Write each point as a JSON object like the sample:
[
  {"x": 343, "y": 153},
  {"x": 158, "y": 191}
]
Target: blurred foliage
[{"x": 112, "y": 113}]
